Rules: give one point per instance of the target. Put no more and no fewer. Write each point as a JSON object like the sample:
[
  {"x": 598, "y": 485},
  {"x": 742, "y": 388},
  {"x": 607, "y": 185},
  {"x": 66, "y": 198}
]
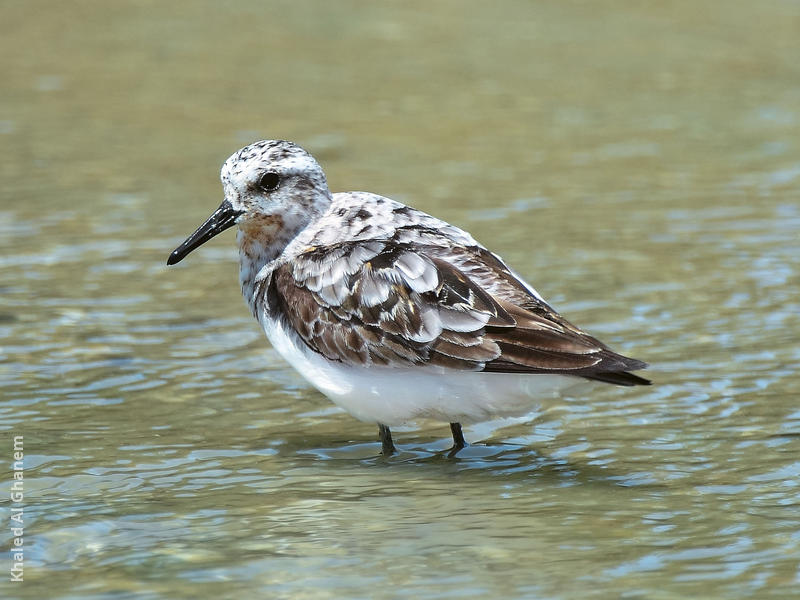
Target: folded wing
[{"x": 394, "y": 304}]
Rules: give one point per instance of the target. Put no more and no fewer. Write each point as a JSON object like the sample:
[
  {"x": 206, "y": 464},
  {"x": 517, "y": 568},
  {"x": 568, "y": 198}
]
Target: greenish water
[{"x": 639, "y": 163}]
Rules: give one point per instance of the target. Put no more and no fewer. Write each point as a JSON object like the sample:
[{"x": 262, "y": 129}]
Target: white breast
[{"x": 393, "y": 396}]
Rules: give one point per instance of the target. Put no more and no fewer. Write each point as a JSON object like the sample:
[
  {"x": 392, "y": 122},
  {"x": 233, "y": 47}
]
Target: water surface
[{"x": 639, "y": 164}]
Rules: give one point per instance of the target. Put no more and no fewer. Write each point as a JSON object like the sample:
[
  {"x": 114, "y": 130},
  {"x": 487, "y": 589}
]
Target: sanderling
[{"x": 391, "y": 313}]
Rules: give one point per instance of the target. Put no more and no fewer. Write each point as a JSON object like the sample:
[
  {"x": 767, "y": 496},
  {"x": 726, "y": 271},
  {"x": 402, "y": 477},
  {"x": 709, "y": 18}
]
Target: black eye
[{"x": 269, "y": 181}]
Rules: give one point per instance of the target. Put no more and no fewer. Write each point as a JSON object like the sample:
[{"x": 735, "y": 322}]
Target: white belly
[{"x": 393, "y": 396}]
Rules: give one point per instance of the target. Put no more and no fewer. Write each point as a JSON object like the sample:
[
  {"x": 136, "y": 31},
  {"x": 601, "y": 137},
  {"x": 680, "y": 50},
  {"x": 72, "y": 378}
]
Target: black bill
[{"x": 222, "y": 218}]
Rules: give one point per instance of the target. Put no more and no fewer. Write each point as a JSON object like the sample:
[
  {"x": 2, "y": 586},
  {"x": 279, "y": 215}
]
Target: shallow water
[{"x": 638, "y": 163}]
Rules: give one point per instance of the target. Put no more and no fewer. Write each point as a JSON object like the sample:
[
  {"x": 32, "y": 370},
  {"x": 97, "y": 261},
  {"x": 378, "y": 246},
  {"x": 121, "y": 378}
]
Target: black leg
[
  {"x": 458, "y": 439},
  {"x": 387, "y": 446}
]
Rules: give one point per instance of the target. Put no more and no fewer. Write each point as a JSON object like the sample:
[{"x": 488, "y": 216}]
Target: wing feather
[{"x": 393, "y": 303}]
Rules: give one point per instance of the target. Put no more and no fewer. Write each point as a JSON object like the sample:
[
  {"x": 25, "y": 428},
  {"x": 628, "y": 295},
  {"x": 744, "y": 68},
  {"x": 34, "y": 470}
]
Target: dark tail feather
[{"x": 618, "y": 378}]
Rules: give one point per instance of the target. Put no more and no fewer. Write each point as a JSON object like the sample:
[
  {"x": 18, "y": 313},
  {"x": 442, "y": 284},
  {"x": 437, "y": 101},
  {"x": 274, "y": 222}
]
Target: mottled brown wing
[
  {"x": 385, "y": 303},
  {"x": 541, "y": 341}
]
